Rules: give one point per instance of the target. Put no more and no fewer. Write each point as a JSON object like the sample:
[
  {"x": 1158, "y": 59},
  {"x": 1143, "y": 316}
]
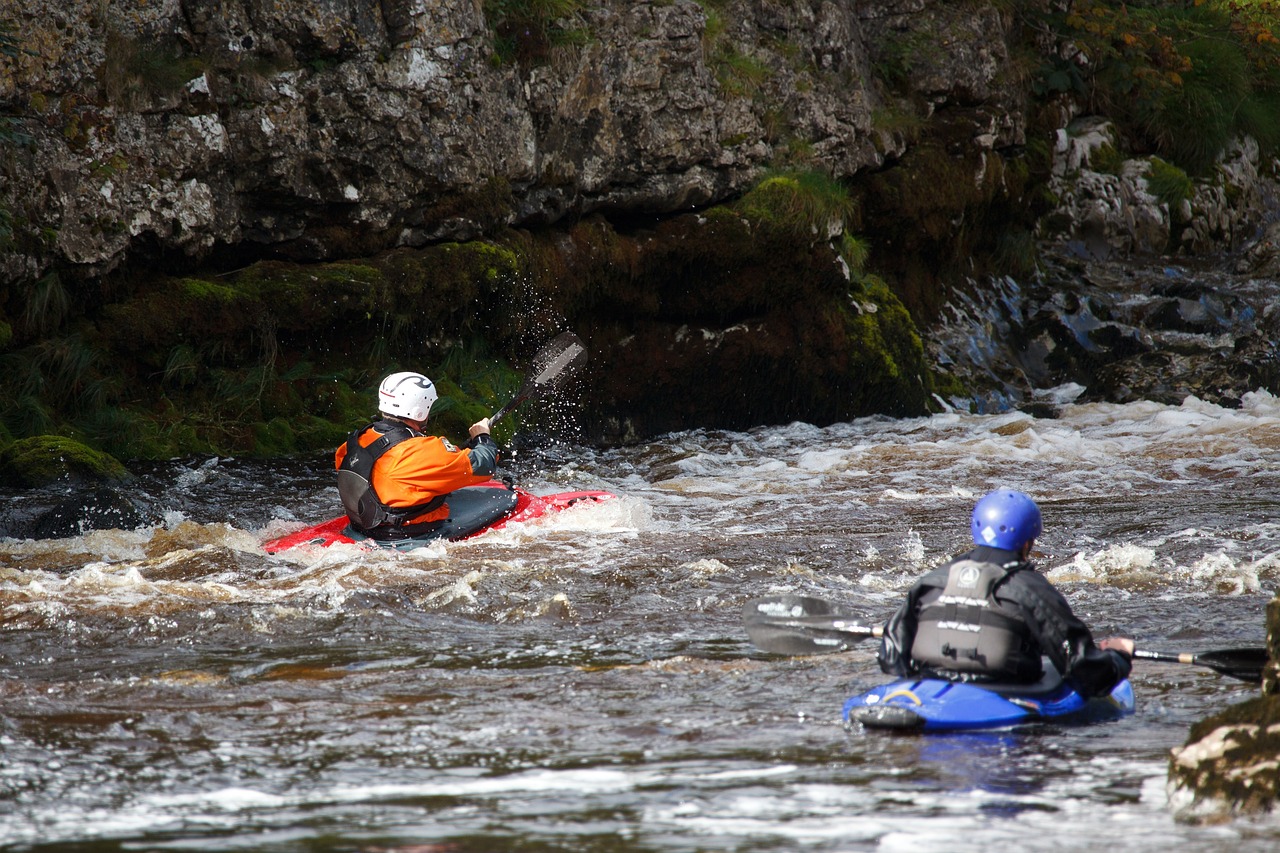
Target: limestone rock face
[
  {"x": 320, "y": 130},
  {"x": 1114, "y": 210}
]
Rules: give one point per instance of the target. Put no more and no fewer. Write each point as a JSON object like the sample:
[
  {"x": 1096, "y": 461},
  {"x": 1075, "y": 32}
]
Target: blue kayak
[{"x": 933, "y": 705}]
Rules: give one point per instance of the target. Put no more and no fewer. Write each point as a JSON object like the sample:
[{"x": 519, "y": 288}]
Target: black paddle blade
[
  {"x": 801, "y": 625},
  {"x": 1244, "y": 664}
]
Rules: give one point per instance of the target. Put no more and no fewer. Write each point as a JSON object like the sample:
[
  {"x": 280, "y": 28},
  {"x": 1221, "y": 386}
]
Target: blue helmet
[{"x": 1006, "y": 519}]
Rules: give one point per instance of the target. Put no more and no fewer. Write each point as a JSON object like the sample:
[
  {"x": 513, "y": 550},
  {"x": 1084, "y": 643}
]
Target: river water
[{"x": 584, "y": 682}]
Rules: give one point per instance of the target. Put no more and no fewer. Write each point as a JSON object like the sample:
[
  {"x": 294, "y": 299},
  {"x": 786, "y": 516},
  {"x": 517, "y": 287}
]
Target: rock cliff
[
  {"x": 196, "y": 137},
  {"x": 200, "y": 197}
]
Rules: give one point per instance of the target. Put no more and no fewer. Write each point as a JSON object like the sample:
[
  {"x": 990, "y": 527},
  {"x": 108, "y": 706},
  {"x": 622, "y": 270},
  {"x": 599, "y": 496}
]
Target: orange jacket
[{"x": 421, "y": 468}]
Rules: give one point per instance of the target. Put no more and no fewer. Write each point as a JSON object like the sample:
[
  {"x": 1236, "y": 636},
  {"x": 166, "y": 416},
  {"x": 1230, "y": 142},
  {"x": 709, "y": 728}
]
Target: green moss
[
  {"x": 1169, "y": 184},
  {"x": 274, "y": 438},
  {"x": 887, "y": 353},
  {"x": 455, "y": 411},
  {"x": 202, "y": 289},
  {"x": 473, "y": 384},
  {"x": 42, "y": 460},
  {"x": 806, "y": 204},
  {"x": 314, "y": 432},
  {"x": 948, "y": 386}
]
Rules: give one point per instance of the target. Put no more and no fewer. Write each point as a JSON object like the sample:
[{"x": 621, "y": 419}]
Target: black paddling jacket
[{"x": 992, "y": 619}]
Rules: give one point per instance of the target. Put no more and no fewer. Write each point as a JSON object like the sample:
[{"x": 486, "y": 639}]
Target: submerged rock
[{"x": 59, "y": 513}]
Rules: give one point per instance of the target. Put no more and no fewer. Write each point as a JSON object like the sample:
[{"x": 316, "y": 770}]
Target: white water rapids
[{"x": 584, "y": 683}]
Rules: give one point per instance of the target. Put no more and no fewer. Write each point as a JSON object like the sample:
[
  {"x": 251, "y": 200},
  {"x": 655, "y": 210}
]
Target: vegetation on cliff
[{"x": 1181, "y": 79}]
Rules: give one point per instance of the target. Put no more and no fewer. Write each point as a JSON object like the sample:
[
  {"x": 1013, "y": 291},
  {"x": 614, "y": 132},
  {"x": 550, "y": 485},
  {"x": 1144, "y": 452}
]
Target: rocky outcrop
[
  {"x": 201, "y": 140},
  {"x": 160, "y": 154},
  {"x": 1113, "y": 331},
  {"x": 1228, "y": 765},
  {"x": 1109, "y": 207},
  {"x": 315, "y": 131}
]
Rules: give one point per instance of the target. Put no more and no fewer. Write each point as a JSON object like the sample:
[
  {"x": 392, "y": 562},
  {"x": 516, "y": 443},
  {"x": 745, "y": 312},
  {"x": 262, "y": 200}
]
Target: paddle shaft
[
  {"x": 1245, "y": 664},
  {"x": 1167, "y": 657}
]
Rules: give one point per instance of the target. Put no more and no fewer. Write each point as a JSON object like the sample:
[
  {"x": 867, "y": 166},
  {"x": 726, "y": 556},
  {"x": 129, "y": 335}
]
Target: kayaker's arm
[
  {"x": 482, "y": 450},
  {"x": 1094, "y": 670},
  {"x": 900, "y": 631}
]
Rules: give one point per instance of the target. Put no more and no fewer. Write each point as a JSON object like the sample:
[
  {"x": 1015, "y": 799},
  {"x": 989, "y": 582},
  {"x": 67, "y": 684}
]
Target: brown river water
[{"x": 584, "y": 683}]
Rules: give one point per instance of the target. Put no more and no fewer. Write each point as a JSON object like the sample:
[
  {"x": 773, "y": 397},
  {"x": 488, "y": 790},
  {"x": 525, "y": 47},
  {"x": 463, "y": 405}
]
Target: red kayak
[{"x": 472, "y": 511}]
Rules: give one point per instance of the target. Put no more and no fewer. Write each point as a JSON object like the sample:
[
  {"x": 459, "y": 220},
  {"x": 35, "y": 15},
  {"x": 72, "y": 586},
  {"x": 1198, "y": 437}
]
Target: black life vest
[
  {"x": 355, "y": 481},
  {"x": 968, "y": 631}
]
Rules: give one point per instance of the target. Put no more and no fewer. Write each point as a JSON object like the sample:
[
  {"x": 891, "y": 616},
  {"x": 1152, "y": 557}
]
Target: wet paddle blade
[
  {"x": 563, "y": 355},
  {"x": 1244, "y": 664},
  {"x": 801, "y": 625},
  {"x": 558, "y": 359}
]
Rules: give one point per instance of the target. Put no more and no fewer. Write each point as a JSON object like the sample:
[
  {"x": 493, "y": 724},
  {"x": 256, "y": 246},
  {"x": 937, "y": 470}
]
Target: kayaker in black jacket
[{"x": 989, "y": 616}]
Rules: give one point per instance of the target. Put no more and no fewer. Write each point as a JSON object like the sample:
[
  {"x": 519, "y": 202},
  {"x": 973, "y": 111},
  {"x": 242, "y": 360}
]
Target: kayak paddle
[
  {"x": 561, "y": 356},
  {"x": 1244, "y": 664},
  {"x": 804, "y": 625}
]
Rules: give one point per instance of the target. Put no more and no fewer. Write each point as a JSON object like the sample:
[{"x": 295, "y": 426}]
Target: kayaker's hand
[
  {"x": 480, "y": 427},
  {"x": 1123, "y": 645}
]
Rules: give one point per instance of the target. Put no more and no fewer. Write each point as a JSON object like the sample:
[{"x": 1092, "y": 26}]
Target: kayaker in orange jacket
[{"x": 393, "y": 479}]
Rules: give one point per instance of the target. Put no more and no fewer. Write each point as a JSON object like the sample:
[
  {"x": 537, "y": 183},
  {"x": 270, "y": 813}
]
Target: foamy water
[{"x": 584, "y": 682}]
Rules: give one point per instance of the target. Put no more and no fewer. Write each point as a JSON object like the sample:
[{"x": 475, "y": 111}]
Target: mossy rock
[
  {"x": 1227, "y": 765},
  {"x": 30, "y": 463}
]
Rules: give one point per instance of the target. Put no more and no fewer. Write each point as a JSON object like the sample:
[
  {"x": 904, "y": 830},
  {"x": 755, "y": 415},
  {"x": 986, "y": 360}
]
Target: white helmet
[{"x": 406, "y": 395}]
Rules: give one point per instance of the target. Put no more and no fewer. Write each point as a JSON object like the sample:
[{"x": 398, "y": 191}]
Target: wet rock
[
  {"x": 60, "y": 513},
  {"x": 1122, "y": 332},
  {"x": 321, "y": 131},
  {"x": 42, "y": 460},
  {"x": 64, "y": 489},
  {"x": 1262, "y": 258},
  {"x": 1227, "y": 767}
]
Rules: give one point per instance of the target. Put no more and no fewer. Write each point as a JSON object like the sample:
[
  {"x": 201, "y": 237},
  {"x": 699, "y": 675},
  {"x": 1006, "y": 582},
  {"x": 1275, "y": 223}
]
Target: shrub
[
  {"x": 1168, "y": 183},
  {"x": 1180, "y": 80}
]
